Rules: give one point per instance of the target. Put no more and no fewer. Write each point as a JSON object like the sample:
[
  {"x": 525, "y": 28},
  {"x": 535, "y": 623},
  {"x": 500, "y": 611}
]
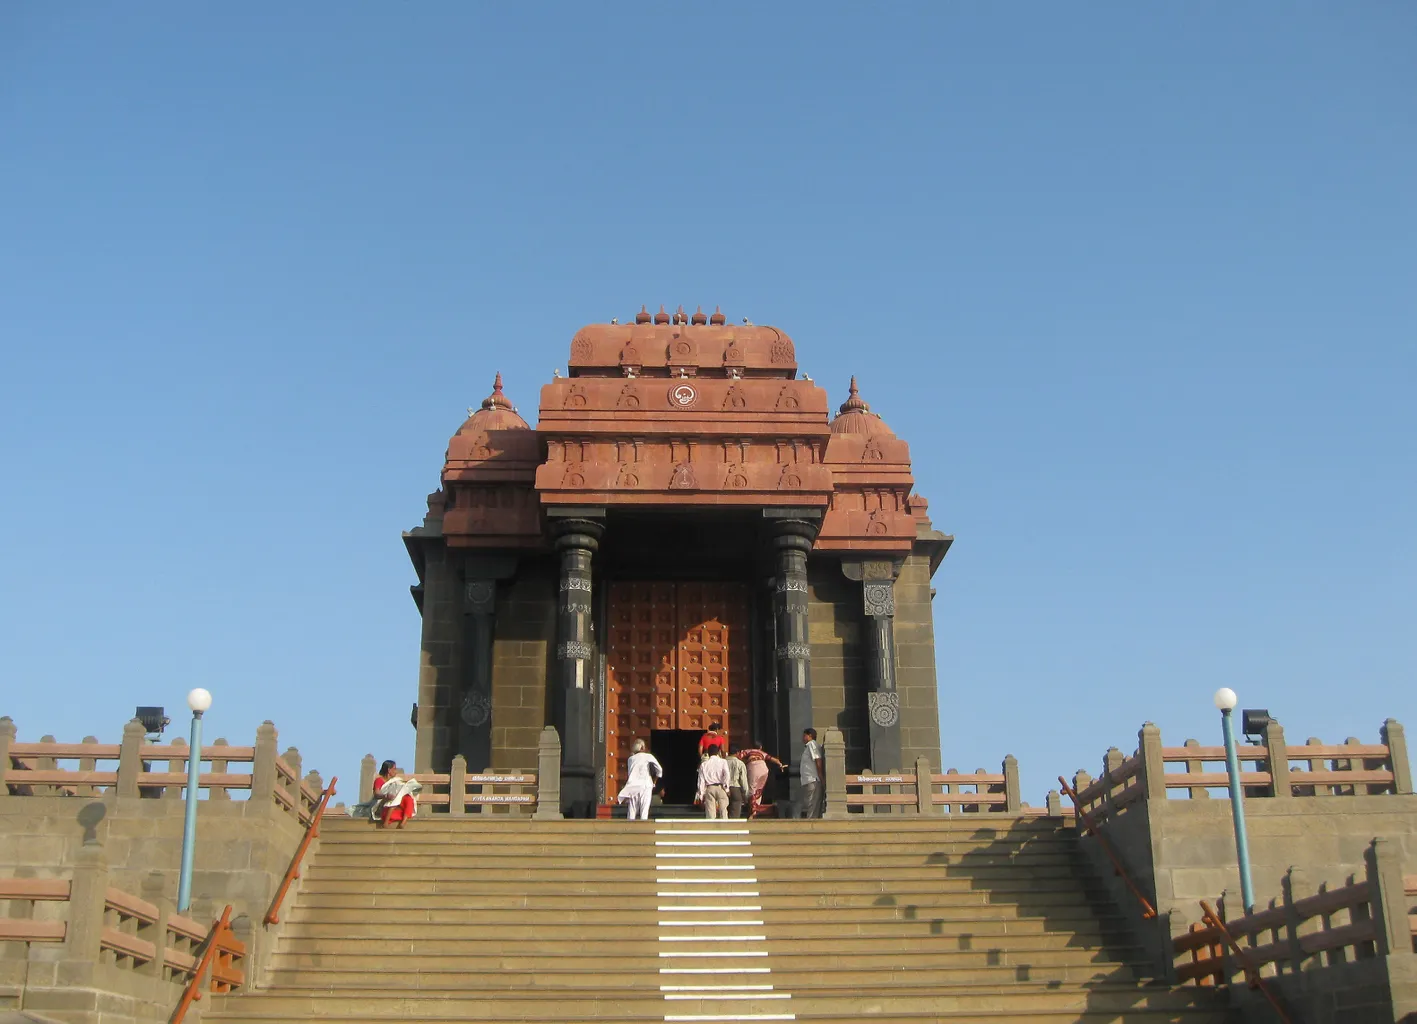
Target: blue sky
[{"x": 1138, "y": 283}]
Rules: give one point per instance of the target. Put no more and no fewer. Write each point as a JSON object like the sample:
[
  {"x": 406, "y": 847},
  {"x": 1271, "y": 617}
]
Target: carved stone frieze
[
  {"x": 794, "y": 650},
  {"x": 575, "y": 583},
  {"x": 575, "y": 650}
]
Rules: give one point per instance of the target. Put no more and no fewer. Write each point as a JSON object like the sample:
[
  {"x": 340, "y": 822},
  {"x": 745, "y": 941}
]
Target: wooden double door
[{"x": 677, "y": 660}]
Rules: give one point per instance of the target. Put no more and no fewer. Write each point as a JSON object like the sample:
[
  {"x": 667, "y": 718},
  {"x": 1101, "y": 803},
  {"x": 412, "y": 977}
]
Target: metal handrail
[
  {"x": 293, "y": 872},
  {"x": 1252, "y": 973},
  {"x": 1148, "y": 911},
  {"x": 193, "y": 991}
]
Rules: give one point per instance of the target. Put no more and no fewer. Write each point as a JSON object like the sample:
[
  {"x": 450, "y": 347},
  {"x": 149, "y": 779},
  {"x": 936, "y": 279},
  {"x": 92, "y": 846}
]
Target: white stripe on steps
[
  {"x": 715, "y": 970},
  {"x": 731, "y": 995},
  {"x": 729, "y": 1016},
  {"x": 713, "y": 938},
  {"x": 701, "y": 864}
]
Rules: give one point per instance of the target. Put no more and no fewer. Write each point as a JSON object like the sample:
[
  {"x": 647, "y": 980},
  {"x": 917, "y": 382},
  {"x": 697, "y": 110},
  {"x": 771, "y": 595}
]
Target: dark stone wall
[
  {"x": 522, "y": 651},
  {"x": 836, "y": 629},
  {"x": 915, "y": 664}
]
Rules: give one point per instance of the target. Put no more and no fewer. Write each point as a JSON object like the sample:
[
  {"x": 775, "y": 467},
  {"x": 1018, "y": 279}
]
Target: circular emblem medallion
[{"x": 683, "y": 395}]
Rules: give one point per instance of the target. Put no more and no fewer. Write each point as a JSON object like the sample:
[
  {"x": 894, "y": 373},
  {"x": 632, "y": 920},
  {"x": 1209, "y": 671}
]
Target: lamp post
[
  {"x": 1226, "y": 700},
  {"x": 198, "y": 700}
]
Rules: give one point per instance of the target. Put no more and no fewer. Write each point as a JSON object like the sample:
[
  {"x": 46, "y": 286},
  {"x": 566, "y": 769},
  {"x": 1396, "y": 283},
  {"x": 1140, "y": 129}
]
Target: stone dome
[
  {"x": 856, "y": 417},
  {"x": 496, "y": 413}
]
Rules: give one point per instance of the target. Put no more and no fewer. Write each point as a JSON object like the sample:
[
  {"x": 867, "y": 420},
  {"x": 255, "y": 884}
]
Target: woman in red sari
[
  {"x": 713, "y": 740},
  {"x": 756, "y": 760},
  {"x": 393, "y": 810}
]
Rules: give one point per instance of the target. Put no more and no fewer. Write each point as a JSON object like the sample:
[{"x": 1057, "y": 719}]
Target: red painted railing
[
  {"x": 293, "y": 872},
  {"x": 222, "y": 951},
  {"x": 1147, "y": 910}
]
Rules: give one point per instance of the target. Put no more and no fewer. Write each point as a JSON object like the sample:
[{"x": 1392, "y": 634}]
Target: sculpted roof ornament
[
  {"x": 643, "y": 316},
  {"x": 856, "y": 417},
  {"x": 718, "y": 319},
  {"x": 497, "y": 412}
]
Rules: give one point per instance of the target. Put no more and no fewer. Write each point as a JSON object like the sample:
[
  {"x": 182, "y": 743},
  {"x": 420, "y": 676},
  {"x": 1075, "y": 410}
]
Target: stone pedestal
[{"x": 577, "y": 539}]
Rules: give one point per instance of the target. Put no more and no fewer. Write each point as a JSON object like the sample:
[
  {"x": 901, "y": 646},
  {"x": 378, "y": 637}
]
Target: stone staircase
[{"x": 892, "y": 920}]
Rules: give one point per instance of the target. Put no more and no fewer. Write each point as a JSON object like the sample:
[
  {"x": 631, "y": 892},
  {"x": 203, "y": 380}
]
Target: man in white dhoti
[{"x": 644, "y": 769}]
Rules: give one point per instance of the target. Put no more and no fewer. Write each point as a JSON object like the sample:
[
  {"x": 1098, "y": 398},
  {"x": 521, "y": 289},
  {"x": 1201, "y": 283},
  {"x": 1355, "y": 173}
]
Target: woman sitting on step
[{"x": 396, "y": 796}]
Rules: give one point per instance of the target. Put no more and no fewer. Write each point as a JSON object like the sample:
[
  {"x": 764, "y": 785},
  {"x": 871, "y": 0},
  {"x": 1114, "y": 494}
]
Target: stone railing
[
  {"x": 1309, "y": 937},
  {"x": 923, "y": 791},
  {"x": 459, "y": 793},
  {"x": 91, "y": 768},
  {"x": 1192, "y": 771},
  {"x": 98, "y": 924}
]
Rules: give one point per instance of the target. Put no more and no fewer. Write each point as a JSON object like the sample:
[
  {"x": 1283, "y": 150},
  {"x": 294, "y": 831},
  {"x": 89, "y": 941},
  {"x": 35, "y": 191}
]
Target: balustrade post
[
  {"x": 153, "y": 891},
  {"x": 1053, "y": 803},
  {"x": 86, "y": 764},
  {"x": 1396, "y": 739},
  {"x": 88, "y": 898},
  {"x": 1110, "y": 763},
  {"x": 457, "y": 787},
  {"x": 219, "y": 767},
  {"x": 130, "y": 758},
  {"x": 1387, "y": 897},
  {"x": 548, "y": 776},
  {"x": 176, "y": 765},
  {"x": 7, "y": 738},
  {"x": 924, "y": 787},
  {"x": 1278, "y": 760},
  {"x": 366, "y": 779},
  {"x": 1153, "y": 762},
  {"x": 1196, "y": 767},
  {"x": 1296, "y": 887},
  {"x": 834, "y": 751},
  {"x": 263, "y": 766},
  {"x": 1013, "y": 793},
  {"x": 292, "y": 785}
]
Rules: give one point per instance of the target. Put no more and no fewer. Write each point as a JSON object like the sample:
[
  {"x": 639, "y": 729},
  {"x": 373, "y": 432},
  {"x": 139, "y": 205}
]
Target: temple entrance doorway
[
  {"x": 677, "y": 660},
  {"x": 678, "y": 752}
]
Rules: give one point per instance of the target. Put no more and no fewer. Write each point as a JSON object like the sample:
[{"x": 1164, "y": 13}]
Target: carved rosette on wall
[
  {"x": 627, "y": 477},
  {"x": 480, "y": 596},
  {"x": 476, "y": 709},
  {"x": 884, "y": 706},
  {"x": 879, "y": 598},
  {"x": 575, "y": 397},
  {"x": 781, "y": 351},
  {"x": 629, "y": 397},
  {"x": 790, "y": 477},
  {"x": 575, "y": 649},
  {"x": 735, "y": 476},
  {"x": 794, "y": 650},
  {"x": 573, "y": 477},
  {"x": 735, "y": 399},
  {"x": 683, "y": 396},
  {"x": 788, "y": 398}
]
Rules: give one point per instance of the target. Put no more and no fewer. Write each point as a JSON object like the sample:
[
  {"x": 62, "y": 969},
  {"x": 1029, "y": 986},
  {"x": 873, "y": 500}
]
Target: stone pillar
[
  {"x": 792, "y": 540},
  {"x": 457, "y": 786},
  {"x": 834, "y": 752},
  {"x": 438, "y": 671},
  {"x": 548, "y": 776},
  {"x": 576, "y": 540},
  {"x": 1278, "y": 760},
  {"x": 767, "y": 726},
  {"x": 367, "y": 771},
  {"x": 474, "y": 709},
  {"x": 1153, "y": 762},
  {"x": 1396, "y": 740},
  {"x": 1388, "y": 897},
  {"x": 1013, "y": 790},
  {"x": 88, "y": 896},
  {"x": 7, "y": 739},
  {"x": 130, "y": 758},
  {"x": 263, "y": 766}
]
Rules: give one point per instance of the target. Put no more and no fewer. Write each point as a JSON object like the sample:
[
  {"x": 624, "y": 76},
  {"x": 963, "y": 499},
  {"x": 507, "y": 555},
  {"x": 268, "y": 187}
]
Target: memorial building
[{"x": 688, "y": 534}]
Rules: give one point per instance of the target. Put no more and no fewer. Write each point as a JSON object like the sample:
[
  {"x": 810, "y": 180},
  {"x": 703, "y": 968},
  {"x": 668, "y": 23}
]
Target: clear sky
[{"x": 1137, "y": 282}]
